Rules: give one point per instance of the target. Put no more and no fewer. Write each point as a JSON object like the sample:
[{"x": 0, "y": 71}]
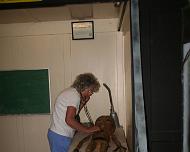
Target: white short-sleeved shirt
[{"x": 69, "y": 97}]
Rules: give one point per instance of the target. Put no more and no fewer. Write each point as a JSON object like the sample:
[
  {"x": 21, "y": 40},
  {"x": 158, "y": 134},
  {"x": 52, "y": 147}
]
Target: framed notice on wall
[{"x": 82, "y": 30}]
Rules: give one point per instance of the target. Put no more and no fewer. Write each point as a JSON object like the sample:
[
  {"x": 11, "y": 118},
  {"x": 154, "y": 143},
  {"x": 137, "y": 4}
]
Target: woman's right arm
[{"x": 71, "y": 121}]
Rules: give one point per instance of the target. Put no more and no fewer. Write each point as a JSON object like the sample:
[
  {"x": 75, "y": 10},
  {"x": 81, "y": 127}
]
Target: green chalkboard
[{"x": 24, "y": 92}]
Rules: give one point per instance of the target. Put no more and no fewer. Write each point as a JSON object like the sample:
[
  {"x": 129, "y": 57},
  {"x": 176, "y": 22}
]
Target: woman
[{"x": 68, "y": 104}]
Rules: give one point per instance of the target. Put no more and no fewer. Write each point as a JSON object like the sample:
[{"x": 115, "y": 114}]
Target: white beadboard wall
[{"x": 49, "y": 45}]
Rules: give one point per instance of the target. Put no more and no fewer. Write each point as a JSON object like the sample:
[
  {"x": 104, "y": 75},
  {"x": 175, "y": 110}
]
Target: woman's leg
[{"x": 58, "y": 143}]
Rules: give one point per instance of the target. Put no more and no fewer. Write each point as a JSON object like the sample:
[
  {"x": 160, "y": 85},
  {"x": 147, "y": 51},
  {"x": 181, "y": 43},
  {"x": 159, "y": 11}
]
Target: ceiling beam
[{"x": 46, "y": 3}]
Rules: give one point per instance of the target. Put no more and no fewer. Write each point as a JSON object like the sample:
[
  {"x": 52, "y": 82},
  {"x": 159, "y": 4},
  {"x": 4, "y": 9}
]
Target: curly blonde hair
[{"x": 86, "y": 80}]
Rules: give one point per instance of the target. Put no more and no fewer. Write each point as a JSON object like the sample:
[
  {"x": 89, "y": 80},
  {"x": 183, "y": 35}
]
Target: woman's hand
[
  {"x": 93, "y": 129},
  {"x": 71, "y": 121},
  {"x": 85, "y": 100}
]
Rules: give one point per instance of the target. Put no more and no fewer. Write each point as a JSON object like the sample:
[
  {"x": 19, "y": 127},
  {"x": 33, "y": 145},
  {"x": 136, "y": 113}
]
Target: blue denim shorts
[{"x": 58, "y": 143}]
